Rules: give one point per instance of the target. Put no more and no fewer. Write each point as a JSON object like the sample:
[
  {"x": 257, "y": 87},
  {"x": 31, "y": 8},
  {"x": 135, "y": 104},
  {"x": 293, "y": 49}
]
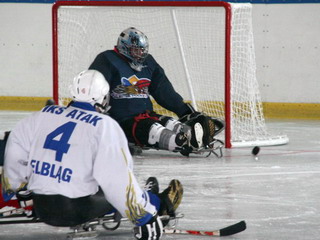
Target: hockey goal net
[{"x": 205, "y": 48}]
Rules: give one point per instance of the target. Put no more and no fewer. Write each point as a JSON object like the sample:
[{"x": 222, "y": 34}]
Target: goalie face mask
[{"x": 134, "y": 45}]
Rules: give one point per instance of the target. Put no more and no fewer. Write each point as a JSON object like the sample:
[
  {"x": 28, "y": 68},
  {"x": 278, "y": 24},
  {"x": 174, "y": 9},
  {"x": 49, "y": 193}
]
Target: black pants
[
  {"x": 137, "y": 128},
  {"x": 2, "y": 147},
  {"x": 3, "y": 143},
  {"x": 58, "y": 210}
]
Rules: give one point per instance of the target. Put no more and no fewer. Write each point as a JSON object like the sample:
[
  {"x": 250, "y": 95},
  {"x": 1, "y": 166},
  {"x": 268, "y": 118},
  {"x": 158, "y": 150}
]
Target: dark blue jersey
[{"x": 130, "y": 90}]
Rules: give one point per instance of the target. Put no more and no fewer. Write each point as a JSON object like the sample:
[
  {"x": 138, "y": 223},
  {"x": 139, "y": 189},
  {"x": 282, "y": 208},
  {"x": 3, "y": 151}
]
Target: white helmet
[{"x": 91, "y": 86}]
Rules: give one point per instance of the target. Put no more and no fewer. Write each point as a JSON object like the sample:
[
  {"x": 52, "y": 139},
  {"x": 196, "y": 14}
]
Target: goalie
[{"x": 134, "y": 76}]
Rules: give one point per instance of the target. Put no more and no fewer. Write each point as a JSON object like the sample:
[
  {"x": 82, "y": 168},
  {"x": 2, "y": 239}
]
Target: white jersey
[{"x": 72, "y": 151}]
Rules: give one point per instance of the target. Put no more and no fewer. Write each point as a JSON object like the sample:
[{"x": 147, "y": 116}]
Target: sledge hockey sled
[
  {"x": 215, "y": 147},
  {"x": 111, "y": 223}
]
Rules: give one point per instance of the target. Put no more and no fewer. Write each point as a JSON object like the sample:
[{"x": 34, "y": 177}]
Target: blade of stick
[{"x": 233, "y": 229}]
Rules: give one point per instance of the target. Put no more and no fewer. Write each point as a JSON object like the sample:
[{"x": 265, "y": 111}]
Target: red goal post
[{"x": 205, "y": 48}]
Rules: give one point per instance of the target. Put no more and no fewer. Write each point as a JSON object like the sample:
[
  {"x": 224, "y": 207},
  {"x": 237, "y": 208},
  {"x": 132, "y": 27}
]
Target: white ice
[{"x": 277, "y": 194}]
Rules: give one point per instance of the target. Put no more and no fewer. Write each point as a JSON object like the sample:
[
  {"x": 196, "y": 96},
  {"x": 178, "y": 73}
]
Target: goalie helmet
[
  {"x": 90, "y": 86},
  {"x": 134, "y": 45}
]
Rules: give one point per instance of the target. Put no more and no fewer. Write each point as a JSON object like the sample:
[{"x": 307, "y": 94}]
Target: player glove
[
  {"x": 151, "y": 231},
  {"x": 25, "y": 200},
  {"x": 170, "y": 198}
]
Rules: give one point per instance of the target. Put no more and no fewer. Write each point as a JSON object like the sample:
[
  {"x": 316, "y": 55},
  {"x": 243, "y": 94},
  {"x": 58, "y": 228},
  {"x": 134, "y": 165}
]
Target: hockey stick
[
  {"x": 227, "y": 231},
  {"x": 17, "y": 216},
  {"x": 8, "y": 217},
  {"x": 12, "y": 212},
  {"x": 20, "y": 221}
]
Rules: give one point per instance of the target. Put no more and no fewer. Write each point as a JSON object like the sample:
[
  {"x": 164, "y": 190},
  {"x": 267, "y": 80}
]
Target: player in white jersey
[{"x": 77, "y": 164}]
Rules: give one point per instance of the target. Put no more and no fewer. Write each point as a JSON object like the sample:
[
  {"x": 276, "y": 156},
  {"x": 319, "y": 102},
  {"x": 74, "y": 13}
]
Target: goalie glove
[
  {"x": 151, "y": 231},
  {"x": 210, "y": 126}
]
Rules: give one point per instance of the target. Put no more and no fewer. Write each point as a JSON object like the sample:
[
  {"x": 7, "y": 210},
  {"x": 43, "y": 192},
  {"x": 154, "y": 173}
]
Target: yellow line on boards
[{"x": 270, "y": 109}]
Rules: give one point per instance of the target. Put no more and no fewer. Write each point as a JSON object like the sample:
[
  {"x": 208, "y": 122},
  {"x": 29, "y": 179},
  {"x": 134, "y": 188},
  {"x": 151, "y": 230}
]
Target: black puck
[
  {"x": 255, "y": 150},
  {"x": 50, "y": 102}
]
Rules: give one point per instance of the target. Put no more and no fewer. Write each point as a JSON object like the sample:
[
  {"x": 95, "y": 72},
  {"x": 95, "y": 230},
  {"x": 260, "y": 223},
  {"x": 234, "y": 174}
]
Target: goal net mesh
[{"x": 190, "y": 44}]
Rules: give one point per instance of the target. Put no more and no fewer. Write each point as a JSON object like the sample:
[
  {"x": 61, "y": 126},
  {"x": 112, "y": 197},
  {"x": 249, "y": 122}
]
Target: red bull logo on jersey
[{"x": 132, "y": 87}]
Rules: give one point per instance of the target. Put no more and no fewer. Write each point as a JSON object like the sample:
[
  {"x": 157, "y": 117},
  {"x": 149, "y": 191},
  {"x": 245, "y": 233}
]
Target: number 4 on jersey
[{"x": 61, "y": 146}]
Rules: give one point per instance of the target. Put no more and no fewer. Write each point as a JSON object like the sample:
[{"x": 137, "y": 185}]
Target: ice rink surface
[{"x": 277, "y": 194}]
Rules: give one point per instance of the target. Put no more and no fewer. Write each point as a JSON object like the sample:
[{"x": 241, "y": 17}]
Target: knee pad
[
  {"x": 155, "y": 132},
  {"x": 172, "y": 124},
  {"x": 161, "y": 137},
  {"x": 175, "y": 125}
]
